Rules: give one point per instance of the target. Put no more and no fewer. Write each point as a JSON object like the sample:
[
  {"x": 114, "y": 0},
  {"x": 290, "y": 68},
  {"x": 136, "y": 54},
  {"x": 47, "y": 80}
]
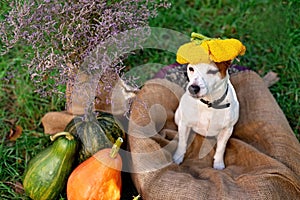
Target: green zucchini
[{"x": 47, "y": 173}]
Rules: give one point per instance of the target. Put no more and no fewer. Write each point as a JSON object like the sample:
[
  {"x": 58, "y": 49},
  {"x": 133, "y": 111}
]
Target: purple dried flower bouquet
[{"x": 64, "y": 33}]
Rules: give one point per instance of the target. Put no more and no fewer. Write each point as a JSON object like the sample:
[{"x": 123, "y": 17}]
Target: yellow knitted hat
[
  {"x": 192, "y": 53},
  {"x": 204, "y": 50}
]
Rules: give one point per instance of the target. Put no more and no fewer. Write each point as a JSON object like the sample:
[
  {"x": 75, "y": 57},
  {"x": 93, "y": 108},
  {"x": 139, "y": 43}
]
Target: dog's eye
[
  {"x": 191, "y": 69},
  {"x": 211, "y": 71}
]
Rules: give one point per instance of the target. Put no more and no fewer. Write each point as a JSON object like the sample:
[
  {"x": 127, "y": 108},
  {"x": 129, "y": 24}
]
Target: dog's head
[{"x": 205, "y": 78}]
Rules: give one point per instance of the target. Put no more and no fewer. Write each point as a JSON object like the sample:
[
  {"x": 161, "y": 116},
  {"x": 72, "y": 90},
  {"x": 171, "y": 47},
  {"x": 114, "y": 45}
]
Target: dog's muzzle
[{"x": 194, "y": 89}]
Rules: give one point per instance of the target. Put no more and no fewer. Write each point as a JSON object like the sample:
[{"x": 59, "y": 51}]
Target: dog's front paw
[
  {"x": 219, "y": 165},
  {"x": 178, "y": 157}
]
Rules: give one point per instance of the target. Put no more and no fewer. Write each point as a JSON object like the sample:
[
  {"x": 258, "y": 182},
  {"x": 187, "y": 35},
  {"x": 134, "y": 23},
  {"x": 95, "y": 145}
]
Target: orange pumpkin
[{"x": 98, "y": 177}]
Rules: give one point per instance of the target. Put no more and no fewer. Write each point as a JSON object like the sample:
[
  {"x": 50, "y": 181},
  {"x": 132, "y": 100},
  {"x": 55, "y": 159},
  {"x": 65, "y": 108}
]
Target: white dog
[{"x": 209, "y": 107}]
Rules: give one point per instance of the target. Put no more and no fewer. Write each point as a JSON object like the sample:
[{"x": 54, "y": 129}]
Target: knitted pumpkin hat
[{"x": 202, "y": 49}]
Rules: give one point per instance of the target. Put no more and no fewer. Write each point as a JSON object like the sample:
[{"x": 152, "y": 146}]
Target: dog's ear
[
  {"x": 184, "y": 69},
  {"x": 223, "y": 66}
]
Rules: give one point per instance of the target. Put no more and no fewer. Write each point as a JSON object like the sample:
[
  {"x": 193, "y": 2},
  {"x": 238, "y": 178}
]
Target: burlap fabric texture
[{"x": 262, "y": 157}]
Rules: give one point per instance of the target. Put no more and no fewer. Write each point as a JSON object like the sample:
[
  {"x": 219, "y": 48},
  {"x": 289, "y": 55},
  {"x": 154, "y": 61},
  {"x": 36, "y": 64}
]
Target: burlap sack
[
  {"x": 54, "y": 122},
  {"x": 262, "y": 157}
]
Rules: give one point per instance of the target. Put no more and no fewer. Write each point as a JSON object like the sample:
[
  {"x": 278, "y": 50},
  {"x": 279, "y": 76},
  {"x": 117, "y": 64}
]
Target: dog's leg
[
  {"x": 221, "y": 146},
  {"x": 183, "y": 132}
]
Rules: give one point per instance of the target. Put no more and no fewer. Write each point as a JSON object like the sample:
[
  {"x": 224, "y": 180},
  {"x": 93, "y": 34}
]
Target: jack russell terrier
[{"x": 209, "y": 107}]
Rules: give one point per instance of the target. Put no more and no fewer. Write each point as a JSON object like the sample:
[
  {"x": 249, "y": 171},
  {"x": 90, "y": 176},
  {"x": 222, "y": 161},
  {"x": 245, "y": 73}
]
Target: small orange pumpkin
[{"x": 99, "y": 177}]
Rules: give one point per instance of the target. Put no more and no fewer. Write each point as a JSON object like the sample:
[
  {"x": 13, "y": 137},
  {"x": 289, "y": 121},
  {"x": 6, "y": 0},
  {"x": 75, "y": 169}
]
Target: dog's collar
[{"x": 216, "y": 104}]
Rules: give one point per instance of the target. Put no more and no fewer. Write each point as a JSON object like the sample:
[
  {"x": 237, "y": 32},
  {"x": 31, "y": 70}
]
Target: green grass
[
  {"x": 269, "y": 29},
  {"x": 21, "y": 106}
]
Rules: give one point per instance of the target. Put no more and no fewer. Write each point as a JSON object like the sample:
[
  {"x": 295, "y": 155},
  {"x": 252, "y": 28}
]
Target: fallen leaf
[
  {"x": 17, "y": 186},
  {"x": 15, "y": 133},
  {"x": 10, "y": 121}
]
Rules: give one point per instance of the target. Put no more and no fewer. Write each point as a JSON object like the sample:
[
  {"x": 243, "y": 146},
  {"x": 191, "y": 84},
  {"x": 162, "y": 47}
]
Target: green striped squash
[
  {"x": 95, "y": 131},
  {"x": 47, "y": 173}
]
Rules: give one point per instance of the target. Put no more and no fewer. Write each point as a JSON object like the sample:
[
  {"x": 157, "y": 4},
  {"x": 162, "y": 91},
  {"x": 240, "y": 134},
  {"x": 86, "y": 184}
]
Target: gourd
[
  {"x": 94, "y": 132},
  {"x": 98, "y": 177},
  {"x": 47, "y": 173}
]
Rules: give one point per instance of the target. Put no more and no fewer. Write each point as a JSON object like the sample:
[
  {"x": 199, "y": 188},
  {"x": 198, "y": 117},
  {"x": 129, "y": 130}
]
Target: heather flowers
[{"x": 62, "y": 33}]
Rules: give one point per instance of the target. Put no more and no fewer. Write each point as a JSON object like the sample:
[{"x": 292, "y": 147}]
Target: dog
[{"x": 209, "y": 107}]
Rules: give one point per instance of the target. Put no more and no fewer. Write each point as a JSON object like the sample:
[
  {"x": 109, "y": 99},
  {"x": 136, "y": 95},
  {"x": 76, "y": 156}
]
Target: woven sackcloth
[{"x": 262, "y": 157}]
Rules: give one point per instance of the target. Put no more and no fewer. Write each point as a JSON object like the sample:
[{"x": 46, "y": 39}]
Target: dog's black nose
[{"x": 194, "y": 89}]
